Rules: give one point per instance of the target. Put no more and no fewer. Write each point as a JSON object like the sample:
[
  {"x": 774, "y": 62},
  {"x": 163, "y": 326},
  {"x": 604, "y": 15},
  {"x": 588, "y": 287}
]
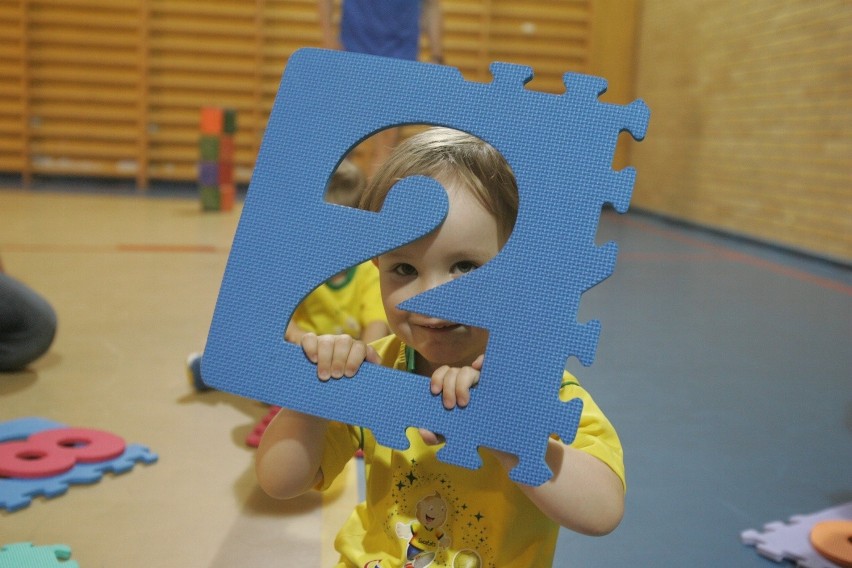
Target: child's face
[{"x": 467, "y": 239}]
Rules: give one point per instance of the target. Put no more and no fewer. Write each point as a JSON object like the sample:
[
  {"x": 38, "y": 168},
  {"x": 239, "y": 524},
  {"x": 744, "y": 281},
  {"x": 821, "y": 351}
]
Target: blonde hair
[
  {"x": 447, "y": 154},
  {"x": 346, "y": 185}
]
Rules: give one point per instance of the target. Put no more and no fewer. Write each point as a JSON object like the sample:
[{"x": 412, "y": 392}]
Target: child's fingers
[
  {"x": 336, "y": 356},
  {"x": 373, "y": 356},
  {"x": 466, "y": 379},
  {"x": 356, "y": 356},
  {"x": 309, "y": 346},
  {"x": 325, "y": 357},
  {"x": 345, "y": 351},
  {"x": 454, "y": 384},
  {"x": 430, "y": 438},
  {"x": 436, "y": 383}
]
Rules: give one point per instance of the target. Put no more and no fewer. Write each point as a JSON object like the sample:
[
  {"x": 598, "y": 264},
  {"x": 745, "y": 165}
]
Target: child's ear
[{"x": 375, "y": 260}]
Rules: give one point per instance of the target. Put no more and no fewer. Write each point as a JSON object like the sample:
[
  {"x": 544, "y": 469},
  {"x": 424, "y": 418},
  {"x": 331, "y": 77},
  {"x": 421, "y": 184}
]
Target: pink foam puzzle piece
[
  {"x": 253, "y": 439},
  {"x": 18, "y": 493},
  {"x": 53, "y": 452},
  {"x": 781, "y": 541},
  {"x": 26, "y": 555}
]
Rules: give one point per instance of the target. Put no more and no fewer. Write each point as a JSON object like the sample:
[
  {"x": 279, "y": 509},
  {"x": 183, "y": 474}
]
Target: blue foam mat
[{"x": 560, "y": 148}]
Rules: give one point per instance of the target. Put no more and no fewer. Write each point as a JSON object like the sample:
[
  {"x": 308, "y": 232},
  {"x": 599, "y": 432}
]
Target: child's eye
[
  {"x": 466, "y": 266},
  {"x": 404, "y": 270}
]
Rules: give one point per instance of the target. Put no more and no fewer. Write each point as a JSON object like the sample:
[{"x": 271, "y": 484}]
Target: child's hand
[
  {"x": 430, "y": 438},
  {"x": 337, "y": 356},
  {"x": 294, "y": 333},
  {"x": 454, "y": 383}
]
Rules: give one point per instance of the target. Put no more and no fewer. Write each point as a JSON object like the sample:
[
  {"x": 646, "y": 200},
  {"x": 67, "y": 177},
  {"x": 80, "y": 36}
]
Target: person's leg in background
[{"x": 27, "y": 324}]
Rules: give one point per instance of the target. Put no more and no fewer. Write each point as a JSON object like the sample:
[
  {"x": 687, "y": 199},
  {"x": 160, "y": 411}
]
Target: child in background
[
  {"x": 348, "y": 303},
  {"x": 420, "y": 511}
]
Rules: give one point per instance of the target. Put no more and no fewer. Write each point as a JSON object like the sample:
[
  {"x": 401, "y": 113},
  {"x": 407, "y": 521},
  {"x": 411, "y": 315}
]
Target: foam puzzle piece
[
  {"x": 560, "y": 148},
  {"x": 17, "y": 493},
  {"x": 52, "y": 452},
  {"x": 253, "y": 438},
  {"x": 26, "y": 555},
  {"x": 791, "y": 541}
]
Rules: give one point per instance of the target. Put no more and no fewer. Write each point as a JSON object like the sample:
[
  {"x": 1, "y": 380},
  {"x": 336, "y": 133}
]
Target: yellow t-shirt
[
  {"x": 345, "y": 307},
  {"x": 421, "y": 510}
]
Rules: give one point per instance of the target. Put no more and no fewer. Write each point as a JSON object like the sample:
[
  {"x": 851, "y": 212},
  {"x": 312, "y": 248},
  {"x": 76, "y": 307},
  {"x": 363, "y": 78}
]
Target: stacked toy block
[{"x": 216, "y": 167}]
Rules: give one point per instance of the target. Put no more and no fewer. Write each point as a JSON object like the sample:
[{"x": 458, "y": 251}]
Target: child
[
  {"x": 419, "y": 511},
  {"x": 348, "y": 303}
]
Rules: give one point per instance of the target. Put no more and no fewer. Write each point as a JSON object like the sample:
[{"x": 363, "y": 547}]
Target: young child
[{"x": 419, "y": 511}]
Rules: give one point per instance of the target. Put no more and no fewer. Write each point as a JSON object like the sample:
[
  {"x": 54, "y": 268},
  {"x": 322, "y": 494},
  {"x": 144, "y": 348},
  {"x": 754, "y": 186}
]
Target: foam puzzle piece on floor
[
  {"x": 53, "y": 452},
  {"x": 17, "y": 493},
  {"x": 791, "y": 541},
  {"x": 253, "y": 438},
  {"x": 560, "y": 148},
  {"x": 26, "y": 555}
]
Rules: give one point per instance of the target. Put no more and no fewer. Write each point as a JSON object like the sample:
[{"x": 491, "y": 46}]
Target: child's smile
[{"x": 468, "y": 238}]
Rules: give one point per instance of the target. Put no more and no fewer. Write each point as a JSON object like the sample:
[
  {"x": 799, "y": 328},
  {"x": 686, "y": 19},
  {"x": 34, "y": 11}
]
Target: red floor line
[
  {"x": 745, "y": 258},
  {"x": 649, "y": 256},
  {"x": 168, "y": 248},
  {"x": 121, "y": 247}
]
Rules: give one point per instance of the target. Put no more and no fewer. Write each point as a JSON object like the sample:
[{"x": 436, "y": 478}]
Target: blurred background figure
[
  {"x": 27, "y": 324},
  {"x": 390, "y": 28}
]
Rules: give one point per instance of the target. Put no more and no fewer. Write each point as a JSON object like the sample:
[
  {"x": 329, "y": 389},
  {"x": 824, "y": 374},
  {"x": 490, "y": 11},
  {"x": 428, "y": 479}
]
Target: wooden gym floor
[{"x": 724, "y": 365}]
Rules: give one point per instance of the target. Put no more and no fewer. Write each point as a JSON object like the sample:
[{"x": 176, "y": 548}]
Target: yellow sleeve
[
  {"x": 341, "y": 441},
  {"x": 370, "y": 294},
  {"x": 595, "y": 433}
]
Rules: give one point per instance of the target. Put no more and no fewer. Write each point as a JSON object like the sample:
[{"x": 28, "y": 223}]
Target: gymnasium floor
[{"x": 724, "y": 365}]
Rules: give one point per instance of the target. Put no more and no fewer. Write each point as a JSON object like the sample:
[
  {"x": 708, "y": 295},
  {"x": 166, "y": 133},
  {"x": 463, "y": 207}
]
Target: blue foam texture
[
  {"x": 18, "y": 493},
  {"x": 289, "y": 241}
]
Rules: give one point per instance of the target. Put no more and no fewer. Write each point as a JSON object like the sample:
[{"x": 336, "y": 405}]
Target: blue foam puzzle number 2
[{"x": 289, "y": 241}]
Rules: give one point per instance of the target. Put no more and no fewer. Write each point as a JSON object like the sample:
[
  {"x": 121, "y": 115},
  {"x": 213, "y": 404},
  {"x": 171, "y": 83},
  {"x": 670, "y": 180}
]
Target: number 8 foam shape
[
  {"x": 53, "y": 452},
  {"x": 289, "y": 241}
]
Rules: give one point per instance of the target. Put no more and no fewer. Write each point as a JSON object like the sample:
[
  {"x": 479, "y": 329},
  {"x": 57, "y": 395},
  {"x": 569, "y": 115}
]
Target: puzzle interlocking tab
[
  {"x": 289, "y": 241},
  {"x": 25, "y": 555},
  {"x": 781, "y": 541},
  {"x": 17, "y": 493}
]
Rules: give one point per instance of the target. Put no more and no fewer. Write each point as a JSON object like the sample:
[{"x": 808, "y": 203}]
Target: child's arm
[
  {"x": 287, "y": 462},
  {"x": 432, "y": 22},
  {"x": 288, "y": 458},
  {"x": 583, "y": 495},
  {"x": 374, "y": 330},
  {"x": 329, "y": 33}
]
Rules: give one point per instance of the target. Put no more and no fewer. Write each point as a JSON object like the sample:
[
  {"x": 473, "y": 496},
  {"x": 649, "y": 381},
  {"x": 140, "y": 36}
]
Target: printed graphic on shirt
[
  {"x": 425, "y": 536},
  {"x": 467, "y": 559},
  {"x": 439, "y": 526}
]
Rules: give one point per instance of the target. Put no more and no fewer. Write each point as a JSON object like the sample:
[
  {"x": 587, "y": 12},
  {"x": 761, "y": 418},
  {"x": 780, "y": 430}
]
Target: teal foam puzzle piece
[
  {"x": 289, "y": 241},
  {"x": 26, "y": 555}
]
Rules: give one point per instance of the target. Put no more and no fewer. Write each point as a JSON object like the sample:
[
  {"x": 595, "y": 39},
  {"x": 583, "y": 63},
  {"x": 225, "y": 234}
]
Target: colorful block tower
[{"x": 216, "y": 166}]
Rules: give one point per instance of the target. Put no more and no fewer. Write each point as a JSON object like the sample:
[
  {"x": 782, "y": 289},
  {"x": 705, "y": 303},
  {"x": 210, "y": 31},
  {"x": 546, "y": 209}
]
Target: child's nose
[{"x": 435, "y": 280}]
